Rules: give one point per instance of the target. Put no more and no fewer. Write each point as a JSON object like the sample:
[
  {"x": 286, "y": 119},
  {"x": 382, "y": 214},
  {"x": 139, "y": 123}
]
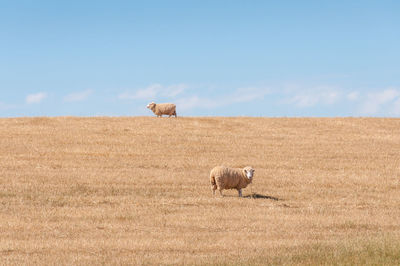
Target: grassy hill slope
[{"x": 136, "y": 190}]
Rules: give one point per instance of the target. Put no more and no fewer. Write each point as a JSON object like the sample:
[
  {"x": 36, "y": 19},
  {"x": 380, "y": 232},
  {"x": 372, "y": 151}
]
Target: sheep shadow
[{"x": 260, "y": 196}]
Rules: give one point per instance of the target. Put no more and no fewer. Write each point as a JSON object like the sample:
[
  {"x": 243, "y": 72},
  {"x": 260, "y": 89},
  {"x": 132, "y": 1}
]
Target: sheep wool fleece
[
  {"x": 229, "y": 178},
  {"x": 163, "y": 109}
]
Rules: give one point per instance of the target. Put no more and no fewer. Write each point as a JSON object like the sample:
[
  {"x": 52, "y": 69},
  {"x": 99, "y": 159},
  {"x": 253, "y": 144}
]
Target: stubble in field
[{"x": 136, "y": 191}]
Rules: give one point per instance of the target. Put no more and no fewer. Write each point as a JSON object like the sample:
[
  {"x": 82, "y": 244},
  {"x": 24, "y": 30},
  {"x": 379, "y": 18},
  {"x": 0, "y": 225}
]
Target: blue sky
[{"x": 212, "y": 58}]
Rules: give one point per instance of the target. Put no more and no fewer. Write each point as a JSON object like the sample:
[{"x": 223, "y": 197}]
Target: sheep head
[
  {"x": 249, "y": 172},
  {"x": 151, "y": 106}
]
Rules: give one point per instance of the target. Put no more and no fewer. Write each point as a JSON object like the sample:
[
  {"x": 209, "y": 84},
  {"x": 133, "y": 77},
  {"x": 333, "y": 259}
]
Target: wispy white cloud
[
  {"x": 78, "y": 96},
  {"x": 247, "y": 94},
  {"x": 35, "y": 98},
  {"x": 396, "y": 107},
  {"x": 385, "y": 102},
  {"x": 147, "y": 93},
  {"x": 384, "y": 96},
  {"x": 173, "y": 90},
  {"x": 240, "y": 95},
  {"x": 303, "y": 100},
  {"x": 313, "y": 97},
  {"x": 352, "y": 96},
  {"x": 380, "y": 102},
  {"x": 153, "y": 91},
  {"x": 187, "y": 103}
]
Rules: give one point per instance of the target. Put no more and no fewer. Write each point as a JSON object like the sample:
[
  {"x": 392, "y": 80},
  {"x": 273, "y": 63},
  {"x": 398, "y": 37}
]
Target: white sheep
[
  {"x": 160, "y": 109},
  {"x": 222, "y": 177}
]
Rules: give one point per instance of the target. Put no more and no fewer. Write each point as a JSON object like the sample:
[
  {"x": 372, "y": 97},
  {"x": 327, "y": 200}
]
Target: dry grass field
[{"x": 135, "y": 190}]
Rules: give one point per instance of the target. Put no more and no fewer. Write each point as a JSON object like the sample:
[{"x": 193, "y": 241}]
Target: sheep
[
  {"x": 222, "y": 177},
  {"x": 162, "y": 109}
]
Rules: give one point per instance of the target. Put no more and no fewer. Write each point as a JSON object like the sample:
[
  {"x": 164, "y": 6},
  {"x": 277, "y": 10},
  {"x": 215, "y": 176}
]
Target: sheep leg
[
  {"x": 213, "y": 188},
  {"x": 240, "y": 192},
  {"x": 220, "y": 192}
]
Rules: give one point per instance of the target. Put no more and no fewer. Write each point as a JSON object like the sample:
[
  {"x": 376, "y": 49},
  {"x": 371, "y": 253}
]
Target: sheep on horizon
[
  {"x": 161, "y": 109},
  {"x": 222, "y": 177}
]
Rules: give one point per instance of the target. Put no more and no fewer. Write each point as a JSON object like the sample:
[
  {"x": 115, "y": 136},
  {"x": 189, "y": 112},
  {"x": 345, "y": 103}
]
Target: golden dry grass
[{"x": 135, "y": 190}]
